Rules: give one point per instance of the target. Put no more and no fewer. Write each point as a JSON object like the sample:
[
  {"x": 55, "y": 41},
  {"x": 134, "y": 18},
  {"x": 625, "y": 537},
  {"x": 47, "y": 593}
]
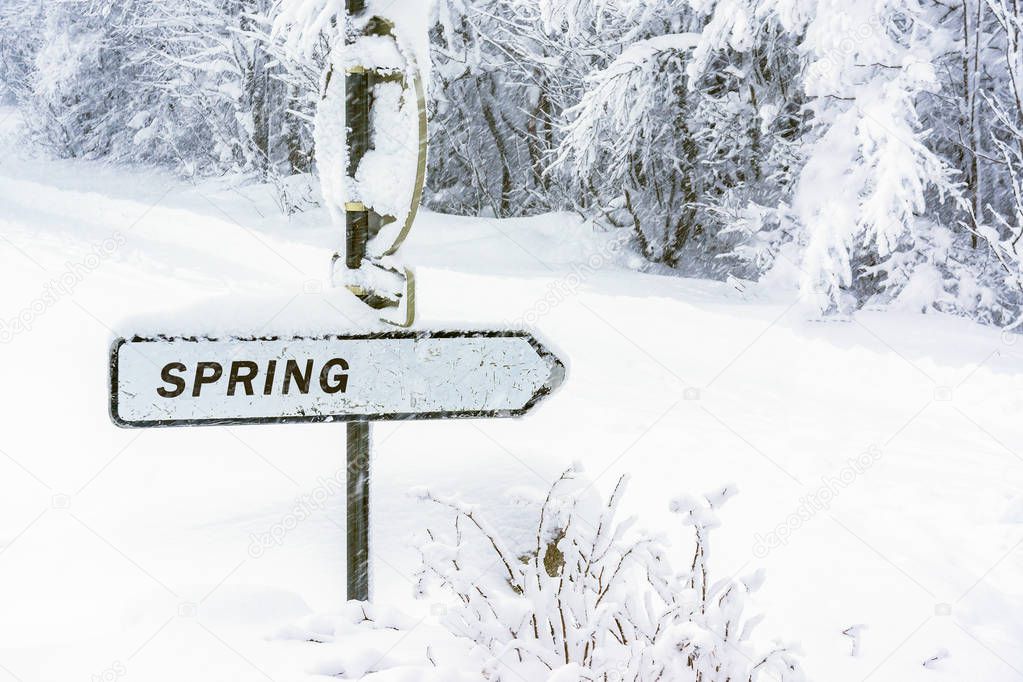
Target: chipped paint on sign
[{"x": 401, "y": 375}]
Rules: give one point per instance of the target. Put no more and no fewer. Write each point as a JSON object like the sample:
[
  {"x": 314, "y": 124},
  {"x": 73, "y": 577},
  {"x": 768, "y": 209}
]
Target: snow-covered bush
[
  {"x": 196, "y": 84},
  {"x": 629, "y": 142},
  {"x": 221, "y": 81},
  {"x": 981, "y": 133},
  {"x": 74, "y": 93},
  {"x": 592, "y": 598},
  {"x": 19, "y": 40},
  {"x": 493, "y": 106}
]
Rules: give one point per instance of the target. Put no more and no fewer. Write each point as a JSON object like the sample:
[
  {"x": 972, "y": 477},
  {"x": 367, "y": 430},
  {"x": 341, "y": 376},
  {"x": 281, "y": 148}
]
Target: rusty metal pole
[
  {"x": 357, "y": 90},
  {"x": 357, "y": 112},
  {"x": 358, "y": 510}
]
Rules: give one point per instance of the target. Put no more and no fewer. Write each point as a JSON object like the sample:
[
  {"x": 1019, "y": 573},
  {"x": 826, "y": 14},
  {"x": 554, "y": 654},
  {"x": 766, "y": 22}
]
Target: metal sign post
[
  {"x": 357, "y": 109},
  {"x": 357, "y": 487},
  {"x": 363, "y": 223},
  {"x": 357, "y": 119}
]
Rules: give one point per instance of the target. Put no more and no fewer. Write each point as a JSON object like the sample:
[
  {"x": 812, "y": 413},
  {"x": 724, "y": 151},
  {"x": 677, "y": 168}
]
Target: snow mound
[{"x": 316, "y": 313}]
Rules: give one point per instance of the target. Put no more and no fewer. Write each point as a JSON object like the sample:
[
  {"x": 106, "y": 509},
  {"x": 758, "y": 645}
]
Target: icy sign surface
[{"x": 401, "y": 375}]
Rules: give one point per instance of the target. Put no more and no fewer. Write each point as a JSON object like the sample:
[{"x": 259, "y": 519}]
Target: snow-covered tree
[
  {"x": 20, "y": 23},
  {"x": 77, "y": 95},
  {"x": 868, "y": 171},
  {"x": 493, "y": 108},
  {"x": 594, "y": 108},
  {"x": 978, "y": 118},
  {"x": 197, "y": 84},
  {"x": 864, "y": 153},
  {"x": 221, "y": 75}
]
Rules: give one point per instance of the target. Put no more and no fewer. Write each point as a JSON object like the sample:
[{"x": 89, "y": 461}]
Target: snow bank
[{"x": 288, "y": 314}]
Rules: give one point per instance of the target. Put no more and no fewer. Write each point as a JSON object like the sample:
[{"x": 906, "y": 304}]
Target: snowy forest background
[{"x": 869, "y": 153}]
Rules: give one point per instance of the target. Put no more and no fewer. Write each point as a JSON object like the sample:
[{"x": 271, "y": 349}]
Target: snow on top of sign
[
  {"x": 302, "y": 22},
  {"x": 292, "y": 313},
  {"x": 411, "y": 20},
  {"x": 378, "y": 52},
  {"x": 386, "y": 177},
  {"x": 296, "y": 314}
]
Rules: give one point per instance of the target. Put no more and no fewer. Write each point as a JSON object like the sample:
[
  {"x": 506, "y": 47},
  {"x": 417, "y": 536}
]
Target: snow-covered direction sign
[{"x": 398, "y": 375}]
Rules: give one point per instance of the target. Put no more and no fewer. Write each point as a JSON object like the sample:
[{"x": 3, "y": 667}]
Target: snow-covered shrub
[
  {"x": 197, "y": 84},
  {"x": 494, "y": 95},
  {"x": 20, "y": 21},
  {"x": 225, "y": 74},
  {"x": 630, "y": 145},
  {"x": 595, "y": 599},
  {"x": 987, "y": 92},
  {"x": 76, "y": 96}
]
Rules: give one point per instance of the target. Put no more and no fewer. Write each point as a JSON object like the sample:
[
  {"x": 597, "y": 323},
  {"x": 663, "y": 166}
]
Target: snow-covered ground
[{"x": 137, "y": 554}]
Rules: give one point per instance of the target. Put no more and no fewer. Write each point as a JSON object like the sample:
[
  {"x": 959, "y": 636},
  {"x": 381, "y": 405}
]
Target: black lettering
[
  {"x": 202, "y": 378},
  {"x": 302, "y": 380},
  {"x": 268, "y": 385},
  {"x": 340, "y": 381},
  {"x": 252, "y": 369},
  {"x": 177, "y": 382}
]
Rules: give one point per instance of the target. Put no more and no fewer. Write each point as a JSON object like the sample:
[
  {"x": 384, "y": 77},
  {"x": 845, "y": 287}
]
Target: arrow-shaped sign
[{"x": 398, "y": 375}]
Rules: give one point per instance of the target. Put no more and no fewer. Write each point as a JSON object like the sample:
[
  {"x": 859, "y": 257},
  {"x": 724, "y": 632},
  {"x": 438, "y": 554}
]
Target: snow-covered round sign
[
  {"x": 389, "y": 175},
  {"x": 399, "y": 375}
]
